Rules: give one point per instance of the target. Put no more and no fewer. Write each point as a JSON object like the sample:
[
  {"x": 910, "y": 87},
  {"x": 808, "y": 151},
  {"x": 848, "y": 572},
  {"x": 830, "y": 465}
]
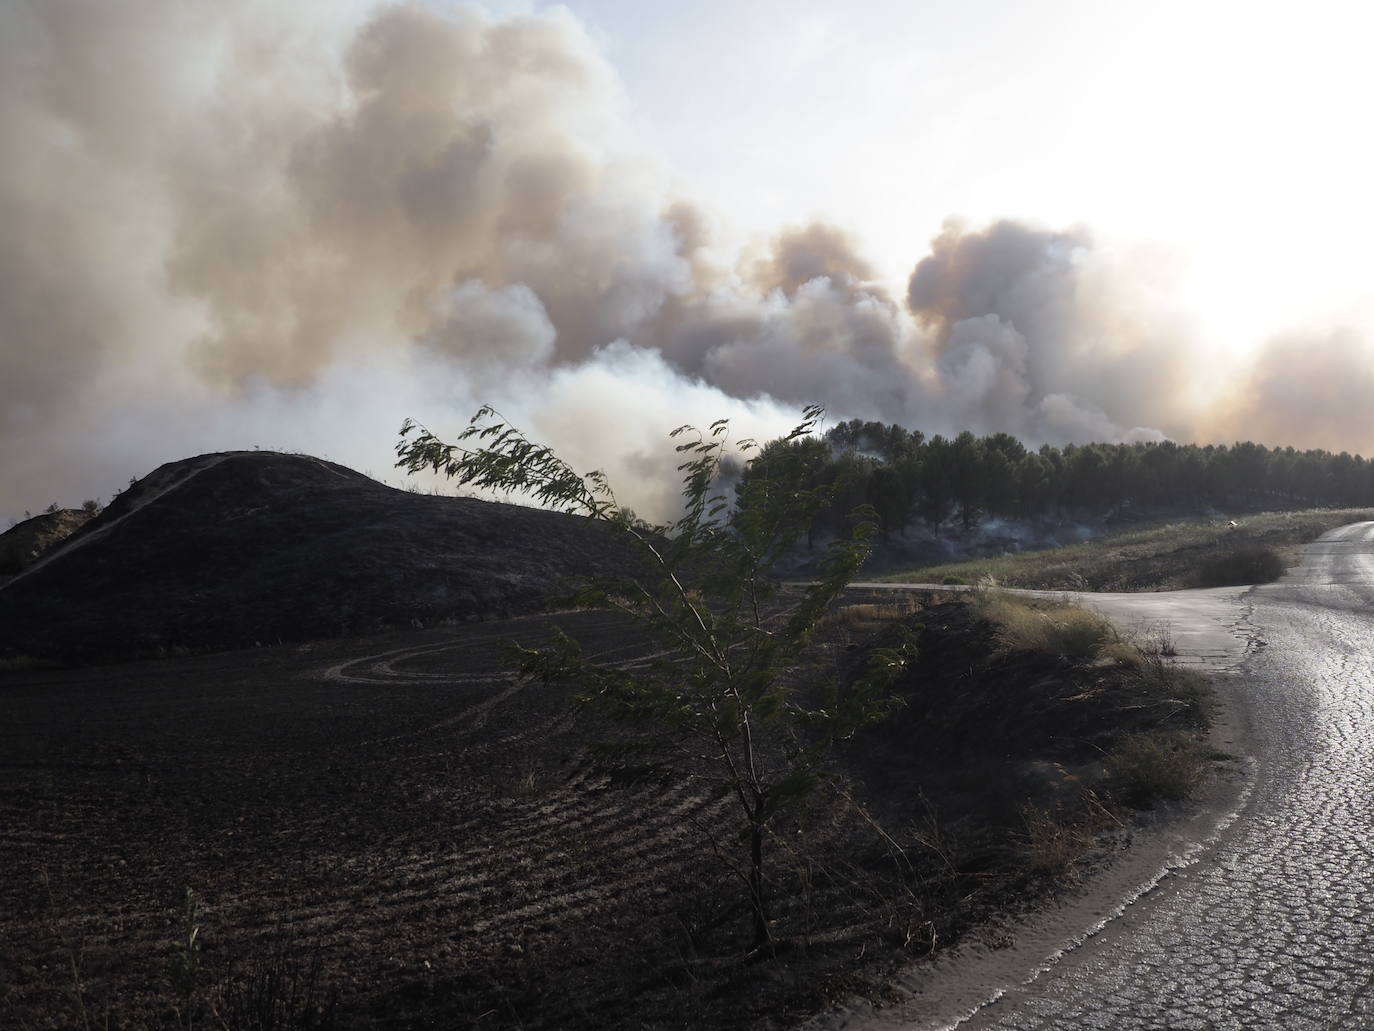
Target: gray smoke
[
  {"x": 293, "y": 225},
  {"x": 1039, "y": 334}
]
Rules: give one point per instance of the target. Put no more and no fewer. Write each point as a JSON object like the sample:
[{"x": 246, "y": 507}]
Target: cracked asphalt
[{"x": 1259, "y": 912}]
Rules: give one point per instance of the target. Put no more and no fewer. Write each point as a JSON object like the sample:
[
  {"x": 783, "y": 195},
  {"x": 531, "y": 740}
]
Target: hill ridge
[
  {"x": 112, "y": 515},
  {"x": 237, "y": 548}
]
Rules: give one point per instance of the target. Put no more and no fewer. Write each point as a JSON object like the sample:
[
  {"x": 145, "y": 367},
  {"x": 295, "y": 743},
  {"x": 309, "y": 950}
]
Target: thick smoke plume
[
  {"x": 1040, "y": 335},
  {"x": 292, "y": 225}
]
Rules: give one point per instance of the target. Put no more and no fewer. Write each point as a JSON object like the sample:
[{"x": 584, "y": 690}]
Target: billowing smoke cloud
[
  {"x": 293, "y": 225},
  {"x": 1307, "y": 390},
  {"x": 1040, "y": 334},
  {"x": 818, "y": 251},
  {"x": 215, "y": 220}
]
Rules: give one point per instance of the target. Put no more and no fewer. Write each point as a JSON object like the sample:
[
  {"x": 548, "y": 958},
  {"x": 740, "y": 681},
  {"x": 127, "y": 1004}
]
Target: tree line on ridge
[{"x": 910, "y": 479}]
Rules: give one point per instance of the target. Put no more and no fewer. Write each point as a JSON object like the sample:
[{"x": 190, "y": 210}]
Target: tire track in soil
[
  {"x": 383, "y": 669},
  {"x": 637, "y": 845},
  {"x": 572, "y": 852}
]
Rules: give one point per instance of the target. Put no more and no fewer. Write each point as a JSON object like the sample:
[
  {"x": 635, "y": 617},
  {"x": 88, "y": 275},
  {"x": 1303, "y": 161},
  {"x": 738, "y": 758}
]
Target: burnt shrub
[{"x": 1244, "y": 564}]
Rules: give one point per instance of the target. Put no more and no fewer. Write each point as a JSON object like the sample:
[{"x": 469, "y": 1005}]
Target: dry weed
[
  {"x": 870, "y": 617},
  {"x": 1165, "y": 764},
  {"x": 1066, "y": 630},
  {"x": 1122, "y": 653},
  {"x": 1053, "y": 844}
]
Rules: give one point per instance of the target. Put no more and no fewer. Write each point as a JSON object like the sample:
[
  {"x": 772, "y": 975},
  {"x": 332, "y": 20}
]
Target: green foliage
[
  {"x": 727, "y": 683},
  {"x": 887, "y": 496},
  {"x": 995, "y": 475}
]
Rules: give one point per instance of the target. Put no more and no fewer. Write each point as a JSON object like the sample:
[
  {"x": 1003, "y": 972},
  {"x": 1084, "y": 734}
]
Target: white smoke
[{"x": 294, "y": 225}]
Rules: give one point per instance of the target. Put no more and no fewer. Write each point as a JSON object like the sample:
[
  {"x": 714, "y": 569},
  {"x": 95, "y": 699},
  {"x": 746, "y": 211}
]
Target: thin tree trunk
[{"x": 756, "y": 891}]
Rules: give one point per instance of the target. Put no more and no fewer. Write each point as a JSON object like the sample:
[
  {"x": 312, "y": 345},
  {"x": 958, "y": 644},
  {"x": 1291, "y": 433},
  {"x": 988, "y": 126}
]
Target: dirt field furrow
[
  {"x": 547, "y": 841},
  {"x": 401, "y": 809}
]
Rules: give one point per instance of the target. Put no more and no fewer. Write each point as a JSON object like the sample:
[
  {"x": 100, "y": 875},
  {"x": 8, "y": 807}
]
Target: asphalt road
[{"x": 1258, "y": 910}]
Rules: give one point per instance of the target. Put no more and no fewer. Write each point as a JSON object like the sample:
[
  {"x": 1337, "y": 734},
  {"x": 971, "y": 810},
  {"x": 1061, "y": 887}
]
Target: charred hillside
[
  {"x": 229, "y": 550},
  {"x": 22, "y": 544}
]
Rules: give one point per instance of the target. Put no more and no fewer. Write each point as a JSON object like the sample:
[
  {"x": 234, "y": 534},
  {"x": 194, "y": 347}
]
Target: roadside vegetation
[
  {"x": 1159, "y": 759},
  {"x": 1032, "y": 734},
  {"x": 1157, "y": 557}
]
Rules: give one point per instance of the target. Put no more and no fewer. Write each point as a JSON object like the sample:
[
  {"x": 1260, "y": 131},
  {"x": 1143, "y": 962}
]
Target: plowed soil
[{"x": 393, "y": 831}]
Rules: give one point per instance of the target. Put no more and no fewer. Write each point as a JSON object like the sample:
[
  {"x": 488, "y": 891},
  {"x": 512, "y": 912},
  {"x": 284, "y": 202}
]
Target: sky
[{"x": 291, "y": 227}]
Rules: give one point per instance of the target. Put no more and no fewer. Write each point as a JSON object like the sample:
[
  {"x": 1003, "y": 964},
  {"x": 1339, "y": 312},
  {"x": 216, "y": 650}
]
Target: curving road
[{"x": 1259, "y": 911}]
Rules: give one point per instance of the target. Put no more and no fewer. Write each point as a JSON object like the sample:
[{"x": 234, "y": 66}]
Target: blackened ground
[
  {"x": 396, "y": 826},
  {"x": 247, "y": 548},
  {"x": 27, "y": 540}
]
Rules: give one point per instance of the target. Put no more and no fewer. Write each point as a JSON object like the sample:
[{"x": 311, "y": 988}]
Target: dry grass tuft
[
  {"x": 871, "y": 617},
  {"x": 1054, "y": 629},
  {"x": 1164, "y": 764},
  {"x": 1054, "y": 845},
  {"x": 1121, "y": 653}
]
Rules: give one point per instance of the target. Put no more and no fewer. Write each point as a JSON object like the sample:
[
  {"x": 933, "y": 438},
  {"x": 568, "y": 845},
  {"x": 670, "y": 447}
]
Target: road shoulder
[{"x": 1135, "y": 867}]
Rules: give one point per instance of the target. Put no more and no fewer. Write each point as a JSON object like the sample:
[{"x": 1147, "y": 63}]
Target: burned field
[
  {"x": 372, "y": 822},
  {"x": 397, "y": 819},
  {"x": 393, "y": 831},
  {"x": 397, "y": 822}
]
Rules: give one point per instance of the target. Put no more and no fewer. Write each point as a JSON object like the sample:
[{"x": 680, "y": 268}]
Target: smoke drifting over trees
[
  {"x": 293, "y": 225},
  {"x": 912, "y": 480}
]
